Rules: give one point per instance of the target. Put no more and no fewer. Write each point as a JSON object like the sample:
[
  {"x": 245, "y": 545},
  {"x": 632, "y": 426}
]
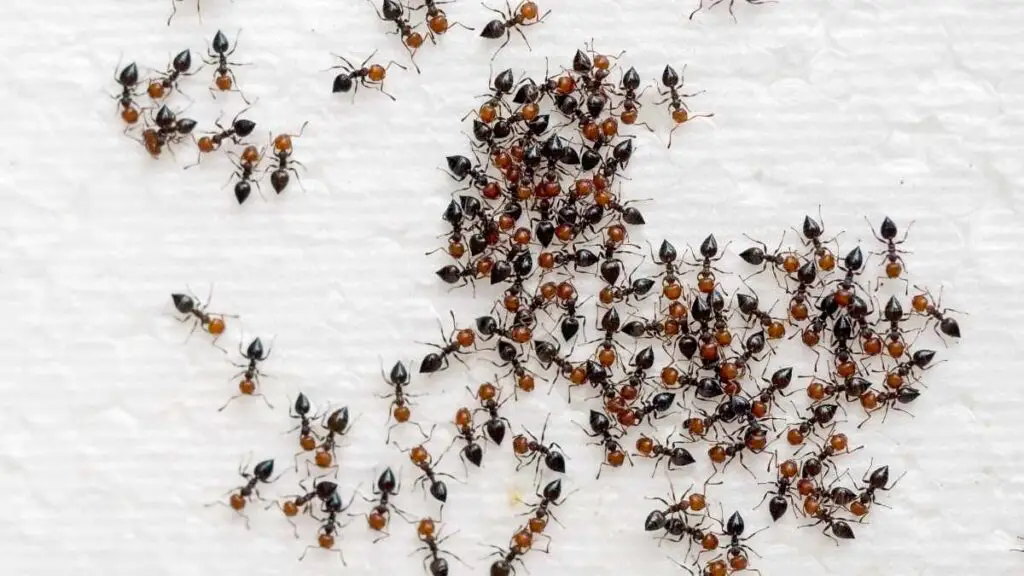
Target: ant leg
[{"x": 508, "y": 36}]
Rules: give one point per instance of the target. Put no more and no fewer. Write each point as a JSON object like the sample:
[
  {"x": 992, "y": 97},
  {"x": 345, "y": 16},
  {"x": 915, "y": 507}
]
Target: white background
[{"x": 110, "y": 442}]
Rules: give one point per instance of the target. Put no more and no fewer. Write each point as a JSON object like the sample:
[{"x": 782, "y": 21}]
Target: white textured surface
[{"x": 109, "y": 438}]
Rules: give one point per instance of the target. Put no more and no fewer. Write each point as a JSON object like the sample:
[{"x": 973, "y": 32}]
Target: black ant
[
  {"x": 783, "y": 487},
  {"x": 195, "y": 310},
  {"x": 245, "y": 168},
  {"x": 601, "y": 427},
  {"x": 218, "y": 54},
  {"x": 927, "y": 305},
  {"x": 886, "y": 234},
  {"x": 812, "y": 232},
  {"x": 755, "y": 439},
  {"x": 571, "y": 321},
  {"x": 629, "y": 84},
  {"x": 501, "y": 86},
  {"x": 821, "y": 414},
  {"x": 437, "y": 566},
  {"x": 169, "y": 130},
  {"x": 462, "y": 275},
  {"x": 128, "y": 79},
  {"x": 876, "y": 481},
  {"x": 709, "y": 254},
  {"x": 307, "y": 436},
  {"x": 821, "y": 515},
  {"x": 872, "y": 400},
  {"x": 807, "y": 276},
  {"x": 672, "y": 82},
  {"x": 504, "y": 566},
  {"x": 239, "y": 128},
  {"x": 398, "y": 379},
  {"x": 550, "y": 496},
  {"x": 472, "y": 451},
  {"x": 239, "y": 496},
  {"x": 677, "y": 456},
  {"x": 437, "y": 20},
  {"x": 329, "y": 526},
  {"x": 368, "y": 77},
  {"x": 456, "y": 342},
  {"x": 736, "y": 554},
  {"x": 526, "y": 14},
  {"x": 920, "y": 360},
  {"x": 488, "y": 396},
  {"x": 283, "y": 152},
  {"x": 853, "y": 263},
  {"x": 529, "y": 450},
  {"x": 422, "y": 460},
  {"x": 393, "y": 12},
  {"x": 461, "y": 168},
  {"x": 180, "y": 65},
  {"x": 301, "y": 503},
  {"x": 760, "y": 256},
  {"x": 336, "y": 424},
  {"x": 385, "y": 489},
  {"x": 255, "y": 354}
]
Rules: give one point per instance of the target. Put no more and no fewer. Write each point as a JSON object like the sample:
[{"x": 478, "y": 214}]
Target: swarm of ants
[{"x": 541, "y": 221}]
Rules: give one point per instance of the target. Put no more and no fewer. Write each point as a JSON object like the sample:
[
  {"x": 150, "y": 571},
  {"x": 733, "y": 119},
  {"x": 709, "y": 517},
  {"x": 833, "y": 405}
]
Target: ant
[
  {"x": 398, "y": 379},
  {"x": 812, "y": 232},
  {"x": 823, "y": 516},
  {"x": 526, "y": 12},
  {"x": 927, "y": 305},
  {"x": 472, "y": 451},
  {"x": 731, "y": 2},
  {"x": 385, "y": 488},
  {"x": 551, "y": 495},
  {"x": 260, "y": 473},
  {"x": 876, "y": 481},
  {"x": 672, "y": 82},
  {"x": 655, "y": 408},
  {"x": 853, "y": 263},
  {"x": 760, "y": 256},
  {"x": 835, "y": 444},
  {"x": 736, "y": 553},
  {"x": 783, "y": 497},
  {"x": 852, "y": 387},
  {"x": 332, "y": 506},
  {"x": 709, "y": 254},
  {"x": 750, "y": 307},
  {"x": 871, "y": 400},
  {"x": 393, "y": 12},
  {"x": 755, "y": 439},
  {"x": 461, "y": 167},
  {"x": 180, "y": 65},
  {"x": 283, "y": 152},
  {"x": 218, "y": 54},
  {"x": 322, "y": 490},
  {"x": 337, "y": 424},
  {"x": 734, "y": 367},
  {"x": 571, "y": 321},
  {"x": 894, "y": 315},
  {"x": 255, "y": 354},
  {"x": 307, "y": 436},
  {"x": 631, "y": 100},
  {"x": 678, "y": 456},
  {"x": 502, "y": 86},
  {"x": 437, "y": 566},
  {"x": 921, "y": 359},
  {"x": 454, "y": 273},
  {"x": 240, "y": 128},
  {"x": 193, "y": 309},
  {"x": 600, "y": 427},
  {"x": 458, "y": 340},
  {"x": 128, "y": 79},
  {"x": 422, "y": 460},
  {"x": 886, "y": 234},
  {"x": 245, "y": 167},
  {"x": 488, "y": 395},
  {"x": 670, "y": 286},
  {"x": 821, "y": 414},
  {"x": 368, "y": 77},
  {"x": 529, "y": 450},
  {"x": 807, "y": 276},
  {"x": 169, "y": 130},
  {"x": 437, "y": 20}
]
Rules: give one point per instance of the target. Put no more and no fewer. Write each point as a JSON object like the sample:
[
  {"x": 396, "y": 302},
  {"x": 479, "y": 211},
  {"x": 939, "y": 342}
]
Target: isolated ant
[
  {"x": 128, "y": 79},
  {"x": 886, "y": 234},
  {"x": 528, "y": 450},
  {"x": 195, "y": 310},
  {"x": 672, "y": 82},
  {"x": 812, "y": 233},
  {"x": 526, "y": 14},
  {"x": 179, "y": 67},
  {"x": 255, "y": 354},
  {"x": 369, "y": 77},
  {"x": 458, "y": 340},
  {"x": 437, "y": 566},
  {"x": 398, "y": 379},
  {"x": 385, "y": 489},
  {"x": 393, "y": 12},
  {"x": 260, "y": 473},
  {"x": 760, "y": 256},
  {"x": 169, "y": 130},
  {"x": 283, "y": 152},
  {"x": 223, "y": 76}
]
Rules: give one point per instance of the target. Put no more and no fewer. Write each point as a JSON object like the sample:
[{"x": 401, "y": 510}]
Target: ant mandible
[
  {"x": 368, "y": 76},
  {"x": 672, "y": 82},
  {"x": 512, "y": 20},
  {"x": 458, "y": 340}
]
